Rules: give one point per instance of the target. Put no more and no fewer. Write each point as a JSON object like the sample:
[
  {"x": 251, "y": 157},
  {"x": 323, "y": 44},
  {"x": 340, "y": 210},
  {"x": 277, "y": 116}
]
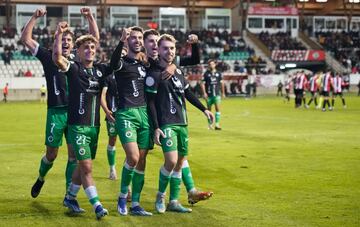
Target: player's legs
[
  {"x": 132, "y": 157},
  {"x": 111, "y": 149},
  {"x": 194, "y": 195},
  {"x": 56, "y": 126},
  {"x": 165, "y": 174},
  {"x": 84, "y": 141},
  {"x": 176, "y": 176},
  {"x": 217, "y": 113},
  {"x": 111, "y": 154},
  {"x": 342, "y": 99},
  {"x": 333, "y": 99}
]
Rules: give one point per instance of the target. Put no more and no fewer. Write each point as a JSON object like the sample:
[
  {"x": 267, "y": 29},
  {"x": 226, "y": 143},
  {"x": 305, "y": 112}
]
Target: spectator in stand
[
  {"x": 7, "y": 56},
  {"x": 20, "y": 73},
  {"x": 28, "y": 73}
]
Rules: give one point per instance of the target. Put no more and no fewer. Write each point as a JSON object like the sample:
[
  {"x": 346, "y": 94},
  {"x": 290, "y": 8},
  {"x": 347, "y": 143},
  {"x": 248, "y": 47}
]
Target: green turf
[{"x": 271, "y": 165}]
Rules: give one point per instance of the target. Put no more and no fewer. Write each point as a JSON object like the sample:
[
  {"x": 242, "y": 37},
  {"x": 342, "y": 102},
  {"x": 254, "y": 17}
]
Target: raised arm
[
  {"x": 93, "y": 28},
  {"x": 116, "y": 56},
  {"x": 26, "y": 35},
  {"x": 57, "y": 57},
  {"x": 194, "y": 59}
]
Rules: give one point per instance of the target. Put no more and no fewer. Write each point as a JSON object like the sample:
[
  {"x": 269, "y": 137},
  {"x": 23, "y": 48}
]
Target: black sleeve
[
  {"x": 44, "y": 55},
  {"x": 153, "y": 114},
  {"x": 115, "y": 63},
  {"x": 194, "y": 59},
  {"x": 193, "y": 100}
]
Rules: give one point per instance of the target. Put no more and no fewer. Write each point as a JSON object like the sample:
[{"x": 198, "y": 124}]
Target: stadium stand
[{"x": 344, "y": 46}]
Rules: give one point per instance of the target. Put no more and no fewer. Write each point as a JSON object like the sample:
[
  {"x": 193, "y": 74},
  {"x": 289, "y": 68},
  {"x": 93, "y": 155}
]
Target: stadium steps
[
  {"x": 330, "y": 60},
  {"x": 334, "y": 64},
  {"x": 259, "y": 48},
  {"x": 309, "y": 43}
]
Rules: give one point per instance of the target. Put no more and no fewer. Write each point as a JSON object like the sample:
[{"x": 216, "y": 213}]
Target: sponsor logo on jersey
[{"x": 142, "y": 71}]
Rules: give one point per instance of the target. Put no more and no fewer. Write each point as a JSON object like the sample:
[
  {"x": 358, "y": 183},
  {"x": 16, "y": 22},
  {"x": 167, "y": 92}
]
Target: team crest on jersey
[
  {"x": 99, "y": 73},
  {"x": 50, "y": 139},
  {"x": 82, "y": 151},
  {"x": 128, "y": 134},
  {"x": 149, "y": 81},
  {"x": 178, "y": 71},
  {"x": 72, "y": 56},
  {"x": 142, "y": 71},
  {"x": 169, "y": 143}
]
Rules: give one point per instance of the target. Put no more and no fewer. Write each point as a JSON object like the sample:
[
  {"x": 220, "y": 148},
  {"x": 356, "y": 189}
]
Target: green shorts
[
  {"x": 176, "y": 139},
  {"x": 111, "y": 128},
  {"x": 84, "y": 140},
  {"x": 56, "y": 126},
  {"x": 213, "y": 100},
  {"x": 132, "y": 125}
]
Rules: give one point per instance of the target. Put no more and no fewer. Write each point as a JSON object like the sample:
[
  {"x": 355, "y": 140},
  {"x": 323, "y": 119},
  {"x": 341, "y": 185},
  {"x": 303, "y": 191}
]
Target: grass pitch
[{"x": 271, "y": 165}]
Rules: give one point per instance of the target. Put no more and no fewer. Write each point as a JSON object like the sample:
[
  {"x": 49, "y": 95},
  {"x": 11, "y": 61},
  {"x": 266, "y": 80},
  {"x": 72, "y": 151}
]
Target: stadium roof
[{"x": 308, "y": 7}]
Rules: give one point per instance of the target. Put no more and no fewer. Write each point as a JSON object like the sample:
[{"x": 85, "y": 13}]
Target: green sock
[
  {"x": 92, "y": 195},
  {"x": 70, "y": 167},
  {"x": 45, "y": 166},
  {"x": 175, "y": 183},
  {"x": 111, "y": 155},
  {"x": 137, "y": 185},
  {"x": 164, "y": 179},
  {"x": 126, "y": 177},
  {"x": 187, "y": 176},
  {"x": 217, "y": 118}
]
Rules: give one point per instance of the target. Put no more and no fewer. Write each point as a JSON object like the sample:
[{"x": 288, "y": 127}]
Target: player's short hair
[
  {"x": 211, "y": 60},
  {"x": 68, "y": 32},
  {"x": 137, "y": 28},
  {"x": 84, "y": 38},
  {"x": 166, "y": 37},
  {"x": 150, "y": 32}
]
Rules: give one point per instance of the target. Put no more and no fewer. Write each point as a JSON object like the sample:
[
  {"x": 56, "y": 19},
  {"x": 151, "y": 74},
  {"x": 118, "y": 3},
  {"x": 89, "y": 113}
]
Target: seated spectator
[
  {"x": 20, "y": 73},
  {"x": 28, "y": 73}
]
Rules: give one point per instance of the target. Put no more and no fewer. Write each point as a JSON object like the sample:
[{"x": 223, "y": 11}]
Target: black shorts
[
  {"x": 43, "y": 94},
  {"x": 325, "y": 93},
  {"x": 338, "y": 94}
]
